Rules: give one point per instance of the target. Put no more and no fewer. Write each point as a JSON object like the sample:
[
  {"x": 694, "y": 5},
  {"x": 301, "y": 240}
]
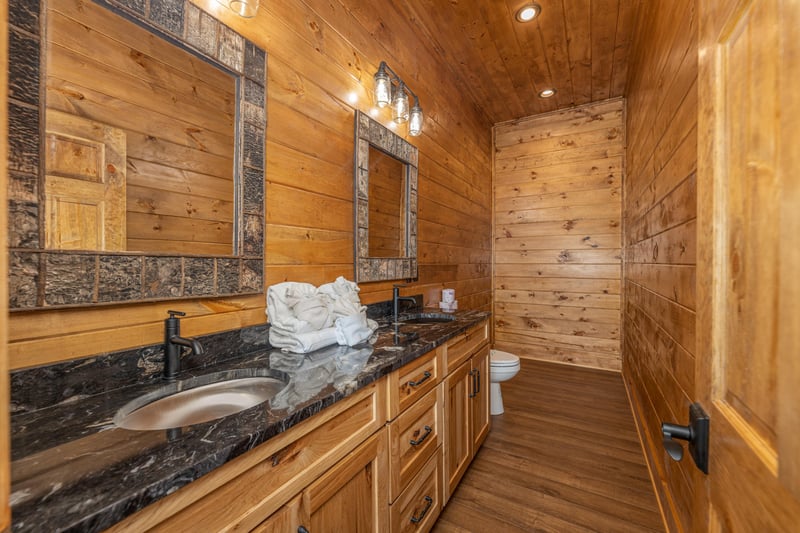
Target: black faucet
[
  {"x": 396, "y": 298},
  {"x": 173, "y": 343}
]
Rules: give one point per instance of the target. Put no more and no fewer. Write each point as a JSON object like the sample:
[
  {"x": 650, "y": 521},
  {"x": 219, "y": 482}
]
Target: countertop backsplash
[{"x": 45, "y": 386}]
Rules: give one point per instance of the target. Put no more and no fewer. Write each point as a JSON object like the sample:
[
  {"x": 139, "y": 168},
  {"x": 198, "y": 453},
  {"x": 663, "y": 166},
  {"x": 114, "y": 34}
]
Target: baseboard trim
[
  {"x": 636, "y": 412},
  {"x": 567, "y": 363}
]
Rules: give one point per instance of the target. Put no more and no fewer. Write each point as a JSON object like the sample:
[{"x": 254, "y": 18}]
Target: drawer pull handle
[
  {"x": 473, "y": 392},
  {"x": 418, "y": 519},
  {"x": 422, "y": 438},
  {"x": 425, "y": 378},
  {"x": 477, "y": 381},
  {"x": 301, "y": 529}
]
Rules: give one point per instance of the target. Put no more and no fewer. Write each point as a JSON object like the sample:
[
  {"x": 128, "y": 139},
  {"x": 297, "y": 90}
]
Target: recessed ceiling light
[
  {"x": 547, "y": 93},
  {"x": 528, "y": 12}
]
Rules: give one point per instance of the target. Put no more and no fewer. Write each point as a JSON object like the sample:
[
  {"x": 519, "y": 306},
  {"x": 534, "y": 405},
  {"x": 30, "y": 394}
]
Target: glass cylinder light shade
[
  {"x": 415, "y": 120},
  {"x": 400, "y": 104},
  {"x": 383, "y": 88},
  {"x": 244, "y": 8}
]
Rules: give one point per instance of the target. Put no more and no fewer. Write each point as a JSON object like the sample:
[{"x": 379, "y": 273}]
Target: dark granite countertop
[{"x": 73, "y": 470}]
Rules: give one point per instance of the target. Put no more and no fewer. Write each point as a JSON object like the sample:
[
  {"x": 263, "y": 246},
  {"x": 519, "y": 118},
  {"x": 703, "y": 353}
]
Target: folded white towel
[
  {"x": 301, "y": 342},
  {"x": 354, "y": 329},
  {"x": 344, "y": 297},
  {"x": 311, "y": 308},
  {"x": 280, "y": 299},
  {"x": 305, "y": 318}
]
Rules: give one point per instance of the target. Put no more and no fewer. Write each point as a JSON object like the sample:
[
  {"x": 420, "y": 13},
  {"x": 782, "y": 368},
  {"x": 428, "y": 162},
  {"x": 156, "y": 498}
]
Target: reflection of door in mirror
[
  {"x": 84, "y": 184},
  {"x": 387, "y": 197},
  {"x": 176, "y": 115}
]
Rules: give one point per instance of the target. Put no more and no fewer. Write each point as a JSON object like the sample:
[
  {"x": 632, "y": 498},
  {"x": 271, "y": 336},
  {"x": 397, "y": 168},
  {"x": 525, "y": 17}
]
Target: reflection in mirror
[
  {"x": 104, "y": 201},
  {"x": 387, "y": 197},
  {"x": 385, "y": 203},
  {"x": 139, "y": 142}
]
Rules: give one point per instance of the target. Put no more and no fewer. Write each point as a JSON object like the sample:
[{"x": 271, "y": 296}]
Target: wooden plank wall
[
  {"x": 5, "y": 434},
  {"x": 557, "y": 235},
  {"x": 319, "y": 53},
  {"x": 177, "y": 113},
  {"x": 659, "y": 218}
]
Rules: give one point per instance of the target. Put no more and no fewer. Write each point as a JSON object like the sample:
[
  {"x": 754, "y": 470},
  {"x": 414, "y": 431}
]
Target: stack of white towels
[{"x": 305, "y": 318}]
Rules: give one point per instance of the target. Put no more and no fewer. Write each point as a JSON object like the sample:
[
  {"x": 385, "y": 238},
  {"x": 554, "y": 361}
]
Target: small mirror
[{"x": 385, "y": 203}]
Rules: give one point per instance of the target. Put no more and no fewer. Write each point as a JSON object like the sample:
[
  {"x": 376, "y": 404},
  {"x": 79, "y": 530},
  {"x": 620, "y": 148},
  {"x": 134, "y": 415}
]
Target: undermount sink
[
  {"x": 427, "y": 318},
  {"x": 198, "y": 400}
]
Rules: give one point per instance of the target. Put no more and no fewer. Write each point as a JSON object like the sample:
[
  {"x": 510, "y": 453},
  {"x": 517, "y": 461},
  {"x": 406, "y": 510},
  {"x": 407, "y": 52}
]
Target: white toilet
[{"x": 502, "y": 366}]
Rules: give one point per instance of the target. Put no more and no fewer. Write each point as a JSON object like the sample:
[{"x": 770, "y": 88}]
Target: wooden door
[
  {"x": 458, "y": 433},
  {"x": 749, "y": 262},
  {"x": 85, "y": 200},
  {"x": 480, "y": 399},
  {"x": 352, "y": 496}
]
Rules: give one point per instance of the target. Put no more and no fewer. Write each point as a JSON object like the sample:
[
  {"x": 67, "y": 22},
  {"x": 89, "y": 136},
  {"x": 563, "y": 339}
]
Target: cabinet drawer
[
  {"x": 419, "y": 505},
  {"x": 414, "y": 380},
  {"x": 461, "y": 347},
  {"x": 414, "y": 437}
]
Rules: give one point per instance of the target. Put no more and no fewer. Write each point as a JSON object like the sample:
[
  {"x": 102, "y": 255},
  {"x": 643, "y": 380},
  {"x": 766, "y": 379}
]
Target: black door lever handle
[{"x": 696, "y": 433}]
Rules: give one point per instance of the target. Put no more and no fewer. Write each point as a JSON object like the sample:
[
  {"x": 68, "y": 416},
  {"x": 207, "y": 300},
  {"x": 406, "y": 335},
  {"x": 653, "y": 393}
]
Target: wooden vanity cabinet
[
  {"x": 286, "y": 519},
  {"x": 415, "y": 436},
  {"x": 243, "y": 493},
  {"x": 458, "y": 428},
  {"x": 385, "y": 459},
  {"x": 351, "y": 496},
  {"x": 466, "y": 403},
  {"x": 481, "y": 420},
  {"x": 419, "y": 505}
]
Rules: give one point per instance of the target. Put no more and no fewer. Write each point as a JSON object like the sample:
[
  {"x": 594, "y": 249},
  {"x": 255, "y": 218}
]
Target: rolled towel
[
  {"x": 354, "y": 329},
  {"x": 301, "y": 342}
]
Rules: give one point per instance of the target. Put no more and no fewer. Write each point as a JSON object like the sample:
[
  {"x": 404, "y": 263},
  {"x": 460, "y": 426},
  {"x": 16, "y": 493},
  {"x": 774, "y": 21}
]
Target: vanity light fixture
[
  {"x": 392, "y": 91},
  {"x": 528, "y": 12},
  {"x": 547, "y": 93},
  {"x": 244, "y": 8}
]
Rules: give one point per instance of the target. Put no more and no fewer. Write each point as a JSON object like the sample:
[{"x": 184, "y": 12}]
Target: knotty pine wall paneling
[
  {"x": 319, "y": 52},
  {"x": 660, "y": 246},
  {"x": 154, "y": 93},
  {"x": 557, "y": 230}
]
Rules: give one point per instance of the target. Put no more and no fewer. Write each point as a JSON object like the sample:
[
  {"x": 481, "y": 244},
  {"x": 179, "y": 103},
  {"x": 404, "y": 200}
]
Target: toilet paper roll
[{"x": 448, "y": 295}]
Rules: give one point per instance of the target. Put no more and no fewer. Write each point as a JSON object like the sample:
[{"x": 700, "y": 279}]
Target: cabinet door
[
  {"x": 458, "y": 435},
  {"x": 480, "y": 399},
  {"x": 353, "y": 495},
  {"x": 287, "y": 518}
]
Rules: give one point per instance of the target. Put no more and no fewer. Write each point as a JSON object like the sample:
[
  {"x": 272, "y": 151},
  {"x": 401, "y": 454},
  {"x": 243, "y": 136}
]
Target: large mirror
[
  {"x": 385, "y": 203},
  {"x": 141, "y": 176}
]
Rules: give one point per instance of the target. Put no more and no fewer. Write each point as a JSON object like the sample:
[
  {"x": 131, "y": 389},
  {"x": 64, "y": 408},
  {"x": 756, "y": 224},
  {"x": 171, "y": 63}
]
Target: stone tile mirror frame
[
  {"x": 369, "y": 132},
  {"x": 41, "y": 278}
]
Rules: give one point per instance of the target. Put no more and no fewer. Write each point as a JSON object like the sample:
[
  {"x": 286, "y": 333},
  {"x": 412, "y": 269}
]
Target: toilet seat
[{"x": 498, "y": 358}]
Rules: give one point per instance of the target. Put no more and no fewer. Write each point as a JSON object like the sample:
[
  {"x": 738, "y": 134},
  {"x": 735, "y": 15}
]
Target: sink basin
[
  {"x": 199, "y": 400},
  {"x": 427, "y": 318}
]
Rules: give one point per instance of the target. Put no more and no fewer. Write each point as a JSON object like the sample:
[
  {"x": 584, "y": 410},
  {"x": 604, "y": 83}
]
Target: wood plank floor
[{"x": 563, "y": 457}]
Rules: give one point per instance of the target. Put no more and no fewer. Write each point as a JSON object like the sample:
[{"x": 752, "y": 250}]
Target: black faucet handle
[{"x": 173, "y": 314}]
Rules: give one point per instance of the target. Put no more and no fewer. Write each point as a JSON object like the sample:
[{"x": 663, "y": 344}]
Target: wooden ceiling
[{"x": 578, "y": 47}]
